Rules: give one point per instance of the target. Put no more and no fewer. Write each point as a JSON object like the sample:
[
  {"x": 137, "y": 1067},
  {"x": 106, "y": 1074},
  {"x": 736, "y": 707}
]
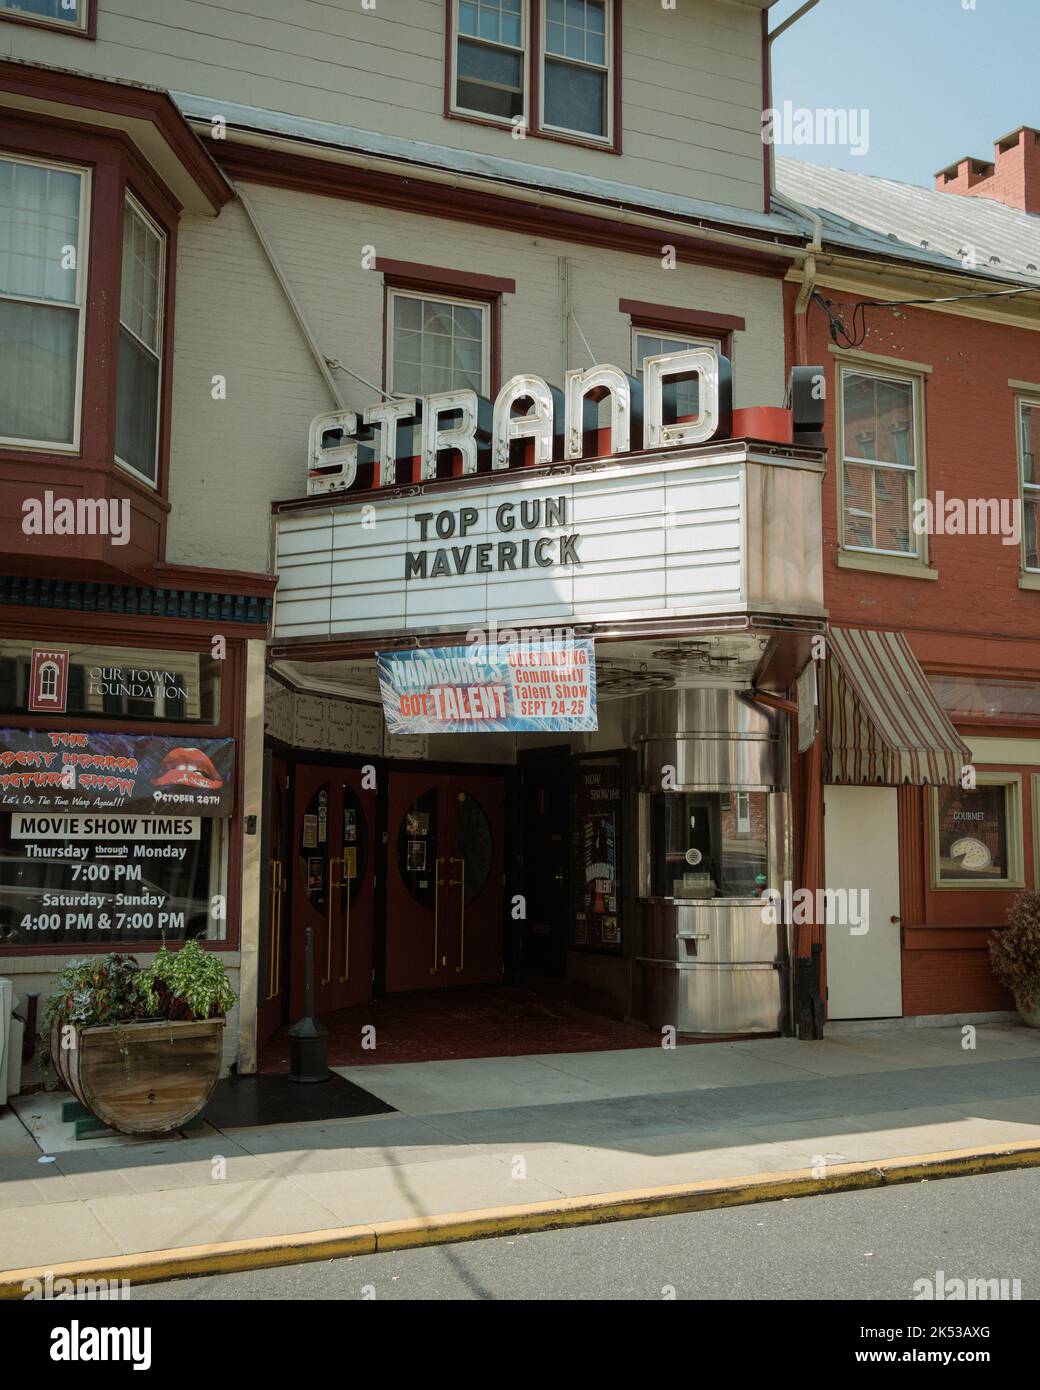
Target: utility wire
[{"x": 856, "y": 336}]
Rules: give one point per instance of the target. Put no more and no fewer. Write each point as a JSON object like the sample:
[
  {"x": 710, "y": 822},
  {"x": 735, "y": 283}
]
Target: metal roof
[
  {"x": 863, "y": 213},
  {"x": 778, "y": 223}
]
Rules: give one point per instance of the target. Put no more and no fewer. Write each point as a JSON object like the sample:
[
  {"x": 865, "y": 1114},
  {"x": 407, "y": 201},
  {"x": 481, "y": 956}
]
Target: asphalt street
[{"x": 871, "y": 1245}]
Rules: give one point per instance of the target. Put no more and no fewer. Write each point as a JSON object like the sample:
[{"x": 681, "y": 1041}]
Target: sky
[{"x": 938, "y": 79}]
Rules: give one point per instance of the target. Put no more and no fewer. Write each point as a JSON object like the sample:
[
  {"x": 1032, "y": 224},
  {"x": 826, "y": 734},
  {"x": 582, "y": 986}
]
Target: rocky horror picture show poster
[{"x": 74, "y": 772}]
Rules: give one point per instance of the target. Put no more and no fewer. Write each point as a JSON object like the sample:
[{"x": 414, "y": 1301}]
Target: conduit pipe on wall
[{"x": 292, "y": 301}]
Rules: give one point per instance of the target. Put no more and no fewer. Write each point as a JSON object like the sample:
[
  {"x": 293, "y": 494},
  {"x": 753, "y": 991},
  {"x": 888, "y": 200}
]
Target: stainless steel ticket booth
[{"x": 713, "y": 838}]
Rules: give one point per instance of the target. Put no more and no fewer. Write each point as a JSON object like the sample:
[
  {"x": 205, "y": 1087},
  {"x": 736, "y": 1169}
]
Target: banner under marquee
[{"x": 505, "y": 688}]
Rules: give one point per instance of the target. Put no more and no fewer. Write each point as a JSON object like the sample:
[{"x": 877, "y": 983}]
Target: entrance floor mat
[
  {"x": 273, "y": 1099},
  {"x": 477, "y": 1021}
]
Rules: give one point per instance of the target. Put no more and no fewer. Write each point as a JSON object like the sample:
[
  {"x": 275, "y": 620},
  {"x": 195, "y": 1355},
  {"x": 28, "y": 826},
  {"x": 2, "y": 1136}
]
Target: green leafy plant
[
  {"x": 1014, "y": 953},
  {"x": 101, "y": 990},
  {"x": 186, "y": 984}
]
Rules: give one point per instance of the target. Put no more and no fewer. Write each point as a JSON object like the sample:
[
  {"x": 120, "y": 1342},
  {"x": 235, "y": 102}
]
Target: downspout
[
  {"x": 801, "y": 308},
  {"x": 801, "y": 305}
]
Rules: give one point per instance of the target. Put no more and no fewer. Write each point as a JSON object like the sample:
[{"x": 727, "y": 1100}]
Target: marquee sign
[{"x": 527, "y": 415}]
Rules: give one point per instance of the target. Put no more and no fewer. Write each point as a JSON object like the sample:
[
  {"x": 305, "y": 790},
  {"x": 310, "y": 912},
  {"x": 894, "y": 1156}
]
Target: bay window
[
  {"x": 880, "y": 462},
  {"x": 43, "y": 264},
  {"x": 139, "y": 375}
]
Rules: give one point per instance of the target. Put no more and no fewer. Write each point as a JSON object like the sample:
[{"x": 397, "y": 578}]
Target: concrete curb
[{"x": 267, "y": 1252}]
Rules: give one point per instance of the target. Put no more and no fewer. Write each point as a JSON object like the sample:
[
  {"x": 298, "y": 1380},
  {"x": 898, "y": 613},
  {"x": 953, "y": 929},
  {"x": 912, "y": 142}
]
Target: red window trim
[
  {"x": 534, "y": 127},
  {"x": 115, "y": 168},
  {"x": 452, "y": 284},
  {"x": 684, "y": 323},
  {"x": 55, "y": 26}
]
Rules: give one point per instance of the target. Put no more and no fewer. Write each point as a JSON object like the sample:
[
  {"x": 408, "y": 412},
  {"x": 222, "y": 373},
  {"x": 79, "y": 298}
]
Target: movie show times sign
[
  {"x": 103, "y": 878},
  {"x": 504, "y": 688},
  {"x": 80, "y": 773}
]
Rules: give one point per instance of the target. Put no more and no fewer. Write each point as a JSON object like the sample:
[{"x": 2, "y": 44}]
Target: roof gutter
[{"x": 514, "y": 191}]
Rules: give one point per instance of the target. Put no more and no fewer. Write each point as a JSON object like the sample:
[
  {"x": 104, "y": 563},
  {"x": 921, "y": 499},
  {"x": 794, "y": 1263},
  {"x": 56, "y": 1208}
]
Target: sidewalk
[{"x": 478, "y": 1136}]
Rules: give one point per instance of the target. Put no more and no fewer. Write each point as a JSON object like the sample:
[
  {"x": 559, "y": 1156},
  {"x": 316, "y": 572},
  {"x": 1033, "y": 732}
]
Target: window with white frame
[
  {"x": 648, "y": 343},
  {"x": 1029, "y": 453},
  {"x": 43, "y": 275},
  {"x": 491, "y": 58},
  {"x": 139, "y": 375},
  {"x": 437, "y": 344},
  {"x": 576, "y": 62},
  {"x": 880, "y": 461},
  {"x": 63, "y": 14}
]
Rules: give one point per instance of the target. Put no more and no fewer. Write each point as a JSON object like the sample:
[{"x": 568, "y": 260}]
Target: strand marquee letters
[{"x": 458, "y": 432}]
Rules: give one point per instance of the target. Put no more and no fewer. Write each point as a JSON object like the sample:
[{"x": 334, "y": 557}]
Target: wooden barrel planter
[{"x": 163, "y": 1081}]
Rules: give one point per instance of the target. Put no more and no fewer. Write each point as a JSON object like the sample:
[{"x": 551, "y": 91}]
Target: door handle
[
  {"x": 274, "y": 978},
  {"x": 345, "y": 883},
  {"x": 894, "y": 921},
  {"x": 460, "y": 882},
  {"x": 438, "y": 884},
  {"x": 333, "y": 885}
]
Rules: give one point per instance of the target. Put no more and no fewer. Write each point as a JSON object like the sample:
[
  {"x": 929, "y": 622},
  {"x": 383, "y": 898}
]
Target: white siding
[
  {"x": 231, "y": 458},
  {"x": 691, "y": 100}
]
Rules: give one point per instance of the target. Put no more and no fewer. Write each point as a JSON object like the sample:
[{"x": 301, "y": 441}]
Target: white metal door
[{"x": 861, "y": 830}]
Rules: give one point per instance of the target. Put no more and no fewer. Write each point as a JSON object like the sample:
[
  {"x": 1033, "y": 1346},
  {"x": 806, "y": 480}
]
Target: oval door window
[
  {"x": 313, "y": 847},
  {"x": 417, "y": 849},
  {"x": 476, "y": 846},
  {"x": 355, "y": 843}
]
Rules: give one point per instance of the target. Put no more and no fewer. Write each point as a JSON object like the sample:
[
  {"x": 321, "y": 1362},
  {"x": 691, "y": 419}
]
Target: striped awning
[{"x": 882, "y": 723}]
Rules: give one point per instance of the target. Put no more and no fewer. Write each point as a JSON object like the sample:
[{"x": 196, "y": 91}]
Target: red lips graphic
[{"x": 187, "y": 767}]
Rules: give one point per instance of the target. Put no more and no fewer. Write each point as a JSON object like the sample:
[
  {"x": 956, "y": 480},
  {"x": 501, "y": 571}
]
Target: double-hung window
[
  {"x": 43, "y": 275},
  {"x": 139, "y": 378},
  {"x": 437, "y": 344},
  {"x": 880, "y": 462},
  {"x": 562, "y": 49},
  {"x": 576, "y": 66},
  {"x": 648, "y": 343},
  {"x": 491, "y": 58},
  {"x": 62, "y": 14},
  {"x": 1029, "y": 456}
]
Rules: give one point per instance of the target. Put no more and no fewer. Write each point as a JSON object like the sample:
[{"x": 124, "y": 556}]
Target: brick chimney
[{"x": 1013, "y": 177}]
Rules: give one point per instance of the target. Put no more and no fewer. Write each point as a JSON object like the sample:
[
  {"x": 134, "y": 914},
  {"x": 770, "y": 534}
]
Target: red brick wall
[{"x": 974, "y": 617}]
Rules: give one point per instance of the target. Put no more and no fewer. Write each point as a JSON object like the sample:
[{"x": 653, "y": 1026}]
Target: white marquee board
[{"x": 659, "y": 538}]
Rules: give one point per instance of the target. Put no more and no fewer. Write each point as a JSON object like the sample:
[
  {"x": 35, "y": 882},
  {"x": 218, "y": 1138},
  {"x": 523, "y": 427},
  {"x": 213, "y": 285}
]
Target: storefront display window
[
  {"x": 110, "y": 683},
  {"x": 977, "y": 834},
  {"x": 598, "y": 854},
  {"x": 107, "y": 880},
  {"x": 708, "y": 844},
  {"x": 982, "y": 697}
]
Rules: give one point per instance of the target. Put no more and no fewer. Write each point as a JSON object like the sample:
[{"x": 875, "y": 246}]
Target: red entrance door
[
  {"x": 274, "y": 946},
  {"x": 444, "y": 871},
  {"x": 332, "y": 885}
]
